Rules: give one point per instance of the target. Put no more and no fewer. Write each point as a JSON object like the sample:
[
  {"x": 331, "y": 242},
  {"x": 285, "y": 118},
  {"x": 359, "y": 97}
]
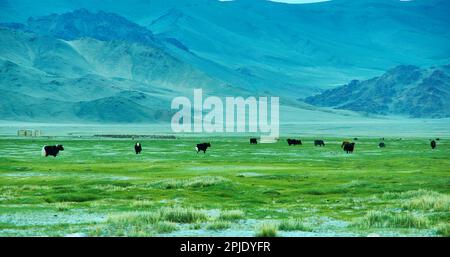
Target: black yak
[
  {"x": 344, "y": 143},
  {"x": 319, "y": 143},
  {"x": 382, "y": 145},
  {"x": 202, "y": 147},
  {"x": 138, "y": 148},
  {"x": 349, "y": 147},
  {"x": 253, "y": 141},
  {"x": 433, "y": 144},
  {"x": 294, "y": 142},
  {"x": 52, "y": 150}
]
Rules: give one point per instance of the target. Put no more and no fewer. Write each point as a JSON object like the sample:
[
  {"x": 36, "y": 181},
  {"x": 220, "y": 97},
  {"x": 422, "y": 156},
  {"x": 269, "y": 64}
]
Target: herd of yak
[{"x": 347, "y": 146}]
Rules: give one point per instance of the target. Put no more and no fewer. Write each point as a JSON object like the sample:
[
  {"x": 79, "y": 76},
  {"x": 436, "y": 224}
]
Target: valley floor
[{"x": 100, "y": 187}]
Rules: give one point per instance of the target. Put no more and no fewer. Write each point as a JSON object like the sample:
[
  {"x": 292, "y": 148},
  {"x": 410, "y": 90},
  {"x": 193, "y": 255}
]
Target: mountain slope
[
  {"x": 86, "y": 54},
  {"x": 294, "y": 47},
  {"x": 404, "y": 90},
  {"x": 298, "y": 45},
  {"x": 43, "y": 78}
]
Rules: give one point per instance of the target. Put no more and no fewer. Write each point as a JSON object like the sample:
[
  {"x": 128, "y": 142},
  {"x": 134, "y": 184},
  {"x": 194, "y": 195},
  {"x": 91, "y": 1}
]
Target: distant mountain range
[
  {"x": 96, "y": 67},
  {"x": 404, "y": 90},
  {"x": 123, "y": 61}
]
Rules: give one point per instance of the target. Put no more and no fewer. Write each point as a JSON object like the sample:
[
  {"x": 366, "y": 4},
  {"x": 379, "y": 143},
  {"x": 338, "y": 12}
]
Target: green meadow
[{"x": 100, "y": 187}]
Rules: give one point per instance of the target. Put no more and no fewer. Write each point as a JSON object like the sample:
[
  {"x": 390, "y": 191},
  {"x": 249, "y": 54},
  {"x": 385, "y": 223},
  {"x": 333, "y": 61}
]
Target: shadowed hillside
[
  {"x": 88, "y": 54},
  {"x": 406, "y": 90}
]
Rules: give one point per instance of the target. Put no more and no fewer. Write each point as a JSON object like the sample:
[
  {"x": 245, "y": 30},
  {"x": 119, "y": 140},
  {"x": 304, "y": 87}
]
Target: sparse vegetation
[
  {"x": 62, "y": 206},
  {"x": 232, "y": 215},
  {"x": 294, "y": 225},
  {"x": 132, "y": 224},
  {"x": 164, "y": 227},
  {"x": 195, "y": 226},
  {"x": 142, "y": 204},
  {"x": 267, "y": 230},
  {"x": 174, "y": 214},
  {"x": 408, "y": 194},
  {"x": 134, "y": 218},
  {"x": 378, "y": 219},
  {"x": 182, "y": 215},
  {"x": 218, "y": 225},
  {"x": 429, "y": 201}
]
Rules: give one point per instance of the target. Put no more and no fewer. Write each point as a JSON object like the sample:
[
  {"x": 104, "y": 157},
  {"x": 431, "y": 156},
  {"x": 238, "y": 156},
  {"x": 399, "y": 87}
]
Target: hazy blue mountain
[
  {"x": 107, "y": 41},
  {"x": 405, "y": 90},
  {"x": 89, "y": 53},
  {"x": 314, "y": 45},
  {"x": 295, "y": 47},
  {"x": 85, "y": 99},
  {"x": 44, "y": 78},
  {"x": 82, "y": 23}
]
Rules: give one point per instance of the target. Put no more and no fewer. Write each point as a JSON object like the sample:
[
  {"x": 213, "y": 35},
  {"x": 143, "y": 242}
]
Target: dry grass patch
[
  {"x": 429, "y": 201},
  {"x": 294, "y": 225},
  {"x": 182, "y": 215},
  {"x": 267, "y": 230},
  {"x": 378, "y": 219},
  {"x": 231, "y": 215}
]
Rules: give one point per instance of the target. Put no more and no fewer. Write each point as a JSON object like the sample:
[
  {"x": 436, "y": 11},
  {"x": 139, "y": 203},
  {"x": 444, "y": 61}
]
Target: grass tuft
[
  {"x": 182, "y": 215},
  {"x": 267, "y": 230},
  {"x": 195, "y": 226},
  {"x": 218, "y": 225},
  {"x": 293, "y": 225},
  {"x": 231, "y": 215},
  {"x": 164, "y": 227},
  {"x": 377, "y": 219},
  {"x": 141, "y": 204},
  {"x": 435, "y": 201},
  {"x": 135, "y": 224},
  {"x": 426, "y": 200},
  {"x": 61, "y": 207},
  {"x": 133, "y": 218},
  {"x": 408, "y": 194}
]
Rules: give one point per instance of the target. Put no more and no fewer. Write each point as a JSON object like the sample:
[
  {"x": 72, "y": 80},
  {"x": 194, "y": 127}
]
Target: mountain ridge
[
  {"x": 404, "y": 90},
  {"x": 165, "y": 49}
]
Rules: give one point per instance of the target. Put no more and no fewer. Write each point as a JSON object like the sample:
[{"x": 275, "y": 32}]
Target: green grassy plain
[{"x": 99, "y": 187}]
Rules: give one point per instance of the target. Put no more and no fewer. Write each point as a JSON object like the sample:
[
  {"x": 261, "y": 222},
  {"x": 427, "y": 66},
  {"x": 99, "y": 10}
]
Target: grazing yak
[
  {"x": 52, "y": 150},
  {"x": 382, "y": 145},
  {"x": 319, "y": 143},
  {"x": 344, "y": 143},
  {"x": 202, "y": 147},
  {"x": 433, "y": 144},
  {"x": 138, "y": 148},
  {"x": 253, "y": 141},
  {"x": 294, "y": 142},
  {"x": 349, "y": 147}
]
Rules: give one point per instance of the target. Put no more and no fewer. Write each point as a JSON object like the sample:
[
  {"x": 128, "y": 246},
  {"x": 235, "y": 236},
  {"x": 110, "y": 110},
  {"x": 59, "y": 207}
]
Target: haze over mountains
[{"x": 123, "y": 61}]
